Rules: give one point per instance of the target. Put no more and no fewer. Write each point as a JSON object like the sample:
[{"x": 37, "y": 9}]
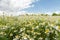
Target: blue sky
[
  {"x": 43, "y": 6},
  {"x": 30, "y": 6}
]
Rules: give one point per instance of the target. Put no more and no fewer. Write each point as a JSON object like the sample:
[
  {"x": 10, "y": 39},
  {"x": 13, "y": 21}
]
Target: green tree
[{"x": 54, "y": 14}]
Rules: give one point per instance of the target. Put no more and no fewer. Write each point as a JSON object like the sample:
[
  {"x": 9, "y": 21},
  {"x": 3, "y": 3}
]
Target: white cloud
[
  {"x": 12, "y": 13},
  {"x": 15, "y": 5},
  {"x": 20, "y": 3}
]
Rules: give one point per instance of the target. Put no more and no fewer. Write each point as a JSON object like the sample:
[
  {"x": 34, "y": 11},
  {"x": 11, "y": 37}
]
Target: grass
[{"x": 29, "y": 28}]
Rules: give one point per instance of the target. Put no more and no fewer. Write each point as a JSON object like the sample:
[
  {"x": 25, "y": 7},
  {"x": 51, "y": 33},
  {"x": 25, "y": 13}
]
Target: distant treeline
[
  {"x": 53, "y": 14},
  {"x": 36, "y": 14}
]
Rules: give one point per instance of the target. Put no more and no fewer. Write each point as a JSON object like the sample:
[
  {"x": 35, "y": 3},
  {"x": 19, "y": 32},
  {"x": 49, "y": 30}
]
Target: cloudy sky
[{"x": 30, "y": 6}]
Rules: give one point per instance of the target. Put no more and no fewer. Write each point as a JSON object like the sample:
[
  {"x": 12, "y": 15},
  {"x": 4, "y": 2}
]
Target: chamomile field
[{"x": 29, "y": 27}]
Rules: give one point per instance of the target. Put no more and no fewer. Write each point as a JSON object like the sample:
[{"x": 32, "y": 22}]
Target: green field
[{"x": 29, "y": 27}]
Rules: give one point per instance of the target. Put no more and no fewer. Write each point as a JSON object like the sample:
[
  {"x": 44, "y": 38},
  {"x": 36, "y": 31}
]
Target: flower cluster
[{"x": 28, "y": 28}]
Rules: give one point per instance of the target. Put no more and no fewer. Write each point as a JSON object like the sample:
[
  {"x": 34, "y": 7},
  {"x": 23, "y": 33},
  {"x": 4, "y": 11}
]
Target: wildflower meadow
[{"x": 29, "y": 28}]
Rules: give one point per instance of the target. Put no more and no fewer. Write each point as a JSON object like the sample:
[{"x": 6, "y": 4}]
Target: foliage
[
  {"x": 28, "y": 28},
  {"x": 55, "y": 14}
]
